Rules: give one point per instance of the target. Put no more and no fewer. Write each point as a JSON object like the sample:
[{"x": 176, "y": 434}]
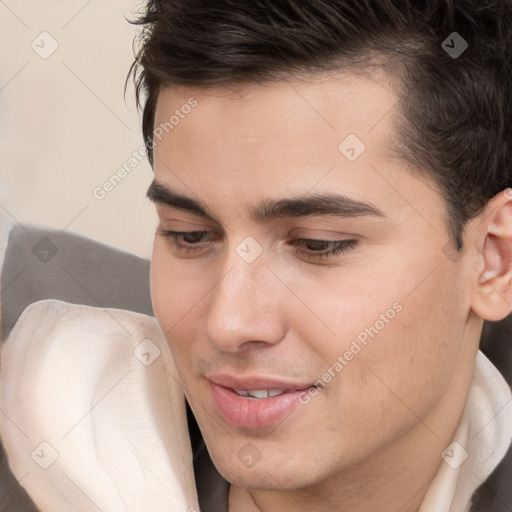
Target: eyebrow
[{"x": 270, "y": 209}]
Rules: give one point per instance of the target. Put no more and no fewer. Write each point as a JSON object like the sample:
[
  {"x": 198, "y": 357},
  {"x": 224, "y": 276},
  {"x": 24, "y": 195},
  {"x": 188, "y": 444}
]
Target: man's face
[{"x": 257, "y": 303}]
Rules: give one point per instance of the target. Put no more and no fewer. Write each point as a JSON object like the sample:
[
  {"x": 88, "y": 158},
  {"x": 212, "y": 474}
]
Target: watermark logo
[
  {"x": 454, "y": 45},
  {"x": 44, "y": 249},
  {"x": 455, "y": 455},
  {"x": 451, "y": 252},
  {"x": 45, "y": 454},
  {"x": 45, "y": 45},
  {"x": 146, "y": 352},
  {"x": 249, "y": 249},
  {"x": 352, "y": 147},
  {"x": 249, "y": 455}
]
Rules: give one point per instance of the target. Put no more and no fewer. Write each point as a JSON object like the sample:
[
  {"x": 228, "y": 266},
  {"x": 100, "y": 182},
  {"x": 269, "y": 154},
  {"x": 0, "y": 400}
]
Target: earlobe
[{"x": 492, "y": 297}]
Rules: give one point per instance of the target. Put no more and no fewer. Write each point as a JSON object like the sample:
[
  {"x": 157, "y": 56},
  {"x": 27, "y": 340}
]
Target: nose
[{"x": 244, "y": 309}]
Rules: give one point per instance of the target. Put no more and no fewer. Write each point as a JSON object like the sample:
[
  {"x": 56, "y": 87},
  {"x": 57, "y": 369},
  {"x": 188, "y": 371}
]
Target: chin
[{"x": 266, "y": 475}]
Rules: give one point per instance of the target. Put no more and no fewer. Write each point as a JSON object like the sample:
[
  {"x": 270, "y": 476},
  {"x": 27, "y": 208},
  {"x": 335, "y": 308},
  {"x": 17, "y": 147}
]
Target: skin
[{"x": 372, "y": 438}]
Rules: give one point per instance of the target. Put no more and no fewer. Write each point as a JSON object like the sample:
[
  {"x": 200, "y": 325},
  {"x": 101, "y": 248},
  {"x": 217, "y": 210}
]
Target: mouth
[
  {"x": 258, "y": 394},
  {"x": 254, "y": 403}
]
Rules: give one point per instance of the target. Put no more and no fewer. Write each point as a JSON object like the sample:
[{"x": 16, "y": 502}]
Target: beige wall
[{"x": 65, "y": 128}]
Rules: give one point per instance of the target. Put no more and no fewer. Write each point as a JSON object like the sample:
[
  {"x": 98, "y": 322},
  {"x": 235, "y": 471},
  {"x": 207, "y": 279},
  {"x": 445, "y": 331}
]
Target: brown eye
[
  {"x": 322, "y": 249},
  {"x": 186, "y": 241}
]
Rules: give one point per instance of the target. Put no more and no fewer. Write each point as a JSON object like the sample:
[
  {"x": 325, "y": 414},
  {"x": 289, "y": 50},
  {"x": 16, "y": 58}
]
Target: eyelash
[{"x": 339, "y": 246}]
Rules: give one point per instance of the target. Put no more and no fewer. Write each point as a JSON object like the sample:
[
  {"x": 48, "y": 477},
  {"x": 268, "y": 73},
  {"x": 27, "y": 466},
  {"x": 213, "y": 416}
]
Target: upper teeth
[{"x": 259, "y": 393}]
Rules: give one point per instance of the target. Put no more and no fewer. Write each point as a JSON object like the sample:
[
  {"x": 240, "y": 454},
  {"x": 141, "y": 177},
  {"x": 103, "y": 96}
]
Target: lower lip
[{"x": 253, "y": 414}]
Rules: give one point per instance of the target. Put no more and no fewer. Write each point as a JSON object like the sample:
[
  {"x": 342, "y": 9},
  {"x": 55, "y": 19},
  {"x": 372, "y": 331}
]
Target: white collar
[
  {"x": 93, "y": 413},
  {"x": 481, "y": 441}
]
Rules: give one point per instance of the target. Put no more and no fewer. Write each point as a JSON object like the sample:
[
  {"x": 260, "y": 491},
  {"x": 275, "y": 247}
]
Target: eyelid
[{"x": 338, "y": 246}]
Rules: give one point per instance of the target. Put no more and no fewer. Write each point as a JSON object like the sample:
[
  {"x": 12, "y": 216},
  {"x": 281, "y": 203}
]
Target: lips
[{"x": 254, "y": 403}]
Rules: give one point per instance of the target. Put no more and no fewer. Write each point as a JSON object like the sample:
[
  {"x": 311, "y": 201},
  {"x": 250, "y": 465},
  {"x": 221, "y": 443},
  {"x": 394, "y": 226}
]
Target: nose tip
[{"x": 244, "y": 312}]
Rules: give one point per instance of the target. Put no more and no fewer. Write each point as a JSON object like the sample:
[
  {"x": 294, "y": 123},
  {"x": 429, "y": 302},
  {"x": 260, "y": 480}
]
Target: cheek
[
  {"x": 163, "y": 297},
  {"x": 342, "y": 310},
  {"x": 174, "y": 294},
  {"x": 178, "y": 300},
  {"x": 405, "y": 365},
  {"x": 166, "y": 289},
  {"x": 389, "y": 337}
]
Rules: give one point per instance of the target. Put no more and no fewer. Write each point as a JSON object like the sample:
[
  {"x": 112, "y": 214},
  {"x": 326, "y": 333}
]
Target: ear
[{"x": 492, "y": 295}]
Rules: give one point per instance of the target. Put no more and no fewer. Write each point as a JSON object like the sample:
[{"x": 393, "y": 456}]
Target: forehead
[
  {"x": 280, "y": 124},
  {"x": 324, "y": 108}
]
